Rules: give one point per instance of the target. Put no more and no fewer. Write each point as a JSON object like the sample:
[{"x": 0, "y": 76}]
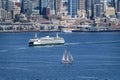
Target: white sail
[
  {"x": 67, "y": 58},
  {"x": 71, "y": 57},
  {"x": 64, "y": 56}
]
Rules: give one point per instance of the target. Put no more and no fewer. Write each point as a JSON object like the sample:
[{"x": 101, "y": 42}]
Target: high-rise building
[
  {"x": 96, "y": 1},
  {"x": 88, "y": 4},
  {"x": 58, "y": 5},
  {"x": 10, "y": 5},
  {"x": 35, "y": 4},
  {"x": 81, "y": 8},
  {"x": 27, "y": 8},
  {"x": 94, "y": 7},
  {"x": 22, "y": 6},
  {"x": 98, "y": 10},
  {"x": 48, "y": 8},
  {"x": 116, "y": 5},
  {"x": 88, "y": 8},
  {"x": 42, "y": 4},
  {"x": 5, "y": 4},
  {"x": 81, "y": 5},
  {"x": 72, "y": 8},
  {"x": 105, "y": 5},
  {"x": 51, "y": 5},
  {"x": 0, "y": 3}
]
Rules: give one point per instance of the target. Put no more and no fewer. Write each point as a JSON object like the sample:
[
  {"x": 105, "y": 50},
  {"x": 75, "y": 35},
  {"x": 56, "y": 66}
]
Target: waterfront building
[
  {"x": 72, "y": 8},
  {"x": 98, "y": 10}
]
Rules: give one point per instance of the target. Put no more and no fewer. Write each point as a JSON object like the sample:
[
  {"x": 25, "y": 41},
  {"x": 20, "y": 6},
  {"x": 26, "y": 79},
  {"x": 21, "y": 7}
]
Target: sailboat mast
[{"x": 35, "y": 35}]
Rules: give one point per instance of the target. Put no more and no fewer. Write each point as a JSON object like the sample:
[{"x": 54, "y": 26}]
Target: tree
[{"x": 17, "y": 18}]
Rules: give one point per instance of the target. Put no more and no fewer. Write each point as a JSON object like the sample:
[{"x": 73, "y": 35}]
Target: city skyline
[{"x": 73, "y": 8}]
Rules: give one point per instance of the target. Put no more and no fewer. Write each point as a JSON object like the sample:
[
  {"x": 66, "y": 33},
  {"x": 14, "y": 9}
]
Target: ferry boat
[
  {"x": 67, "y": 58},
  {"x": 47, "y": 40}
]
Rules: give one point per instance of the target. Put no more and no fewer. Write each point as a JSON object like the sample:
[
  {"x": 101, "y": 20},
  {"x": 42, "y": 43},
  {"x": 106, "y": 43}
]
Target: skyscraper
[
  {"x": 26, "y": 6},
  {"x": 43, "y": 4},
  {"x": 96, "y": 1},
  {"x": 115, "y": 4},
  {"x": 0, "y": 3},
  {"x": 72, "y": 8},
  {"x": 22, "y": 6},
  {"x": 118, "y": 5},
  {"x": 35, "y": 4},
  {"x": 51, "y": 5},
  {"x": 81, "y": 8},
  {"x": 81, "y": 5},
  {"x": 10, "y": 5},
  {"x": 88, "y": 7},
  {"x": 98, "y": 10},
  {"x": 105, "y": 5},
  {"x": 58, "y": 6},
  {"x": 5, "y": 4}
]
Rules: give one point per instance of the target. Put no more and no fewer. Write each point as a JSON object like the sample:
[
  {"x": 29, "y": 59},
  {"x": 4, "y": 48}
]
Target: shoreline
[{"x": 44, "y": 31}]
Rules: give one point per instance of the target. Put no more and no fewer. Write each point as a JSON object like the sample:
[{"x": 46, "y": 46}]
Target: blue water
[{"x": 96, "y": 57}]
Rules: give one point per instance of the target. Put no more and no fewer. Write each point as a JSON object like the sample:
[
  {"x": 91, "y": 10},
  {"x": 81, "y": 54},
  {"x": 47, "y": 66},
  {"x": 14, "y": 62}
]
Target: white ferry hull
[{"x": 41, "y": 44}]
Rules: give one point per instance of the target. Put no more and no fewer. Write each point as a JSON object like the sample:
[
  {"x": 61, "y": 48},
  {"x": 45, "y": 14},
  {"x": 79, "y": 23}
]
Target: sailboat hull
[{"x": 66, "y": 62}]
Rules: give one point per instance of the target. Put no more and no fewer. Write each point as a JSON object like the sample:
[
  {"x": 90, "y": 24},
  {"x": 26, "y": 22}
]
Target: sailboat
[{"x": 67, "y": 58}]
